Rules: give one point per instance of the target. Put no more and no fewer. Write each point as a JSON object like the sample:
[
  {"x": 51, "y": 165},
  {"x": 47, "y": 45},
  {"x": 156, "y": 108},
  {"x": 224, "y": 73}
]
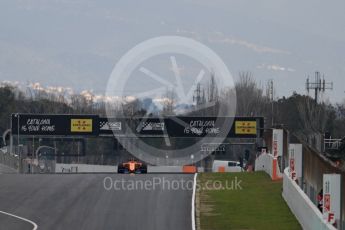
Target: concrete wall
[
  {"x": 264, "y": 163},
  {"x": 302, "y": 207},
  {"x": 84, "y": 168},
  {"x": 164, "y": 169},
  {"x": 315, "y": 165}
]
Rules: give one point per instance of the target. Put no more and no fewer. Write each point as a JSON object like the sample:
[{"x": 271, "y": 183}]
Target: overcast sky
[{"x": 77, "y": 43}]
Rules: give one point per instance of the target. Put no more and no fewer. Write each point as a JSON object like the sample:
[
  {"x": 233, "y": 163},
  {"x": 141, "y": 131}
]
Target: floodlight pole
[
  {"x": 18, "y": 136},
  {"x": 271, "y": 94},
  {"x": 18, "y": 132}
]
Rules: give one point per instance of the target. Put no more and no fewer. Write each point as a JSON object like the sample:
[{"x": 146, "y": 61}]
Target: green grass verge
[{"x": 258, "y": 205}]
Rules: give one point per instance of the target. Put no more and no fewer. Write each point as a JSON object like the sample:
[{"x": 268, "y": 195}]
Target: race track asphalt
[{"x": 81, "y": 201}]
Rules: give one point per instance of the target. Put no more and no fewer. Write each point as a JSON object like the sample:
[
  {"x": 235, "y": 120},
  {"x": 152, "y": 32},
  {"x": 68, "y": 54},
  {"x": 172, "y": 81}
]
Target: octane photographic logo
[
  {"x": 172, "y": 47},
  {"x": 162, "y": 183}
]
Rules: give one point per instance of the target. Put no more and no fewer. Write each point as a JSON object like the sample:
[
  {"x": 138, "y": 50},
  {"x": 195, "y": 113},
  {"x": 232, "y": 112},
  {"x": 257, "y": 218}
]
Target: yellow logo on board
[
  {"x": 81, "y": 125},
  {"x": 245, "y": 127}
]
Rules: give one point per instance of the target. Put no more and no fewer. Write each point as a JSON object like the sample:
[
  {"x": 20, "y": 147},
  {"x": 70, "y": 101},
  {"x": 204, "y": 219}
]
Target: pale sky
[{"x": 77, "y": 43}]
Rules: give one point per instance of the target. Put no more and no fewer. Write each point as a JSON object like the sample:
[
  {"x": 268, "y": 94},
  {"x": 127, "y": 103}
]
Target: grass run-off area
[{"x": 256, "y": 203}]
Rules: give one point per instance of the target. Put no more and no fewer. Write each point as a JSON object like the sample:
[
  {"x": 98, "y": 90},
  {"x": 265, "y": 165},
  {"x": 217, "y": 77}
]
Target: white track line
[
  {"x": 21, "y": 218},
  {"x": 193, "y": 202}
]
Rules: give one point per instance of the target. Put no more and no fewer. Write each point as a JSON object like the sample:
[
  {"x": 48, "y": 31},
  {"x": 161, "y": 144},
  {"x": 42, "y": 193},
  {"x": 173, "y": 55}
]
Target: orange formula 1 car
[{"x": 132, "y": 166}]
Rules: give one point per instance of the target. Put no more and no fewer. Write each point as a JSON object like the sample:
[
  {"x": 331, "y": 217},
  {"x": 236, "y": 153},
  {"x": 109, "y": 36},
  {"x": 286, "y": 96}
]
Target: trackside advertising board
[
  {"x": 138, "y": 126},
  {"x": 81, "y": 125},
  {"x": 149, "y": 126},
  {"x": 196, "y": 126},
  {"x": 238, "y": 127},
  {"x": 295, "y": 161},
  {"x": 245, "y": 127},
  {"x": 173, "y": 126},
  {"x": 332, "y": 198},
  {"x": 112, "y": 126},
  {"x": 179, "y": 126},
  {"x": 277, "y": 145},
  {"x": 54, "y": 125}
]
